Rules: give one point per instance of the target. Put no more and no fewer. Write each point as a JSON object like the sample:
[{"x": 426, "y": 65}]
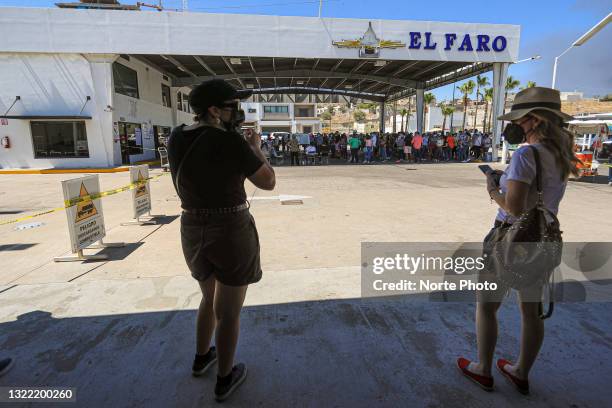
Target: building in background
[
  {"x": 282, "y": 113},
  {"x": 56, "y": 122}
]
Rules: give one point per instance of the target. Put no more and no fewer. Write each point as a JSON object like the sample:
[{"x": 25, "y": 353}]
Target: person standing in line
[
  {"x": 399, "y": 144},
  {"x": 209, "y": 162},
  {"x": 536, "y": 120},
  {"x": 425, "y": 146},
  {"x": 294, "y": 151},
  {"x": 382, "y": 148},
  {"x": 369, "y": 150},
  {"x": 354, "y": 144},
  {"x": 408, "y": 147},
  {"x": 417, "y": 144},
  {"x": 477, "y": 145},
  {"x": 450, "y": 145}
]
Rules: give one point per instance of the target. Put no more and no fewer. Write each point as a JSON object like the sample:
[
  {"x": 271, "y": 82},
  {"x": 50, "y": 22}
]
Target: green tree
[
  {"x": 511, "y": 84},
  {"x": 481, "y": 81},
  {"x": 488, "y": 97},
  {"x": 428, "y": 98},
  {"x": 359, "y": 116},
  {"x": 403, "y": 113},
  {"x": 466, "y": 89},
  {"x": 447, "y": 110},
  {"x": 530, "y": 84}
]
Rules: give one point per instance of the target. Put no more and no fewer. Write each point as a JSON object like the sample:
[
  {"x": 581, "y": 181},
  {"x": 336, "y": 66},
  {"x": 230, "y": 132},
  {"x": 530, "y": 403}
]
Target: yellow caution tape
[{"x": 76, "y": 200}]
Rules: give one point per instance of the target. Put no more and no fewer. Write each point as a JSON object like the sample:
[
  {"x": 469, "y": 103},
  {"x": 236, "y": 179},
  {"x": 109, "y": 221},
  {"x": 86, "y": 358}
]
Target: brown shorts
[{"x": 225, "y": 246}]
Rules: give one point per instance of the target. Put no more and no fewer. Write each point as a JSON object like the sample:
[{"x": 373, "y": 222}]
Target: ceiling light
[
  {"x": 380, "y": 63},
  {"x": 249, "y": 86},
  {"x": 235, "y": 61},
  {"x": 348, "y": 86},
  {"x": 299, "y": 82}
]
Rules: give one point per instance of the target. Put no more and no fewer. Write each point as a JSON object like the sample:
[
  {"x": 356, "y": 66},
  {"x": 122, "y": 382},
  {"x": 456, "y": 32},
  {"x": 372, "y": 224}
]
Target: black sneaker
[
  {"x": 224, "y": 388},
  {"x": 203, "y": 363},
  {"x": 5, "y": 365}
]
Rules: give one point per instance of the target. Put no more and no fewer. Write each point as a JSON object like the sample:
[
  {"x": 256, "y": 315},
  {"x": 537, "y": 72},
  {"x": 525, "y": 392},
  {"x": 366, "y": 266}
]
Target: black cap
[{"x": 213, "y": 93}]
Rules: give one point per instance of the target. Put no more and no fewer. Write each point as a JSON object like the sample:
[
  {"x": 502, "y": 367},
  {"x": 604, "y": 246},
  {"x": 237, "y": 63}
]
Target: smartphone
[{"x": 485, "y": 168}]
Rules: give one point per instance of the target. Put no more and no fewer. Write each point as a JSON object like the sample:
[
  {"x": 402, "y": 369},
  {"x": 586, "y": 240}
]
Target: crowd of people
[{"x": 468, "y": 145}]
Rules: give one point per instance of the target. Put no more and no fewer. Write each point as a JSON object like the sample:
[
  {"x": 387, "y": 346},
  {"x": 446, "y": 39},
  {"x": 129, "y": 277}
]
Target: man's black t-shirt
[{"x": 214, "y": 171}]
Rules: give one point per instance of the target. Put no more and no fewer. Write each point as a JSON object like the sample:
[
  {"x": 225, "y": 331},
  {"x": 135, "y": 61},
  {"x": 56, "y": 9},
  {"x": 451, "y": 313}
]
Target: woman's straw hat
[{"x": 536, "y": 98}]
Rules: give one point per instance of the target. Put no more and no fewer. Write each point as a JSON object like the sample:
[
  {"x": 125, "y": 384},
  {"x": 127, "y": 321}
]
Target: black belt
[{"x": 212, "y": 211}]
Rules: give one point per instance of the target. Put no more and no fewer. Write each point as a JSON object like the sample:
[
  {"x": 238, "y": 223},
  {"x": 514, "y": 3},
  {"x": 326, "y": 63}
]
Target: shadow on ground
[{"x": 354, "y": 353}]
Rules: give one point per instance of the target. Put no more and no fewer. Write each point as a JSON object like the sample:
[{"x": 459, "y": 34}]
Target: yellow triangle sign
[
  {"x": 85, "y": 209},
  {"x": 141, "y": 189}
]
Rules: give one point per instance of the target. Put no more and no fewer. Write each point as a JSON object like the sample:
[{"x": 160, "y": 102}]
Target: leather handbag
[{"x": 526, "y": 253}]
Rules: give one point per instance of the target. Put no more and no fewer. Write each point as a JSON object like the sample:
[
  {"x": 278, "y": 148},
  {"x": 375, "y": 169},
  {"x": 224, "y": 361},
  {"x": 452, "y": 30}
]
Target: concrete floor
[{"x": 121, "y": 331}]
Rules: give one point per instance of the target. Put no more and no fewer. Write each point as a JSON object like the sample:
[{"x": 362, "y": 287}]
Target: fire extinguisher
[{"x": 6, "y": 142}]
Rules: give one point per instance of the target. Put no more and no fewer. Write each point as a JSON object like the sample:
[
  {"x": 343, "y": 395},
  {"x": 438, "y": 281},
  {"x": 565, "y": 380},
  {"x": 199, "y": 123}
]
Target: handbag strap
[
  {"x": 536, "y": 156},
  {"x": 190, "y": 149}
]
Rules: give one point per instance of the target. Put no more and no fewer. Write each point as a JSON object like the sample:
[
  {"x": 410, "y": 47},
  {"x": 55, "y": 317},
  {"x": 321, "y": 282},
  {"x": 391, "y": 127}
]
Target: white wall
[
  {"x": 147, "y": 109},
  {"x": 49, "y": 84},
  {"x": 58, "y": 84}
]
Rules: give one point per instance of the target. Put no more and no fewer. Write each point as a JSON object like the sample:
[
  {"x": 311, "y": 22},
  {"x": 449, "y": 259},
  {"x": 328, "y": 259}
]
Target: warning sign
[
  {"x": 141, "y": 194},
  {"x": 85, "y": 219},
  {"x": 85, "y": 209}
]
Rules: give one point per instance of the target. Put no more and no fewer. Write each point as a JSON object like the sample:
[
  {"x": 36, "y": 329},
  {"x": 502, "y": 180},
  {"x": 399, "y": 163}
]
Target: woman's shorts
[
  {"x": 407, "y": 149},
  {"x": 225, "y": 246}
]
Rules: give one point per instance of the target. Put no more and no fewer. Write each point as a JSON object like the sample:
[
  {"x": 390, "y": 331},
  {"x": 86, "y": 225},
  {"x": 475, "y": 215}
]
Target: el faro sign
[{"x": 369, "y": 44}]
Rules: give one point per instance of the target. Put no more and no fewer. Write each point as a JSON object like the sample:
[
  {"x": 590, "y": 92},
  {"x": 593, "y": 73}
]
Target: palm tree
[
  {"x": 530, "y": 84},
  {"x": 403, "y": 113},
  {"x": 446, "y": 110},
  {"x": 488, "y": 97},
  {"x": 428, "y": 98},
  {"x": 466, "y": 89},
  {"x": 480, "y": 81},
  {"x": 511, "y": 84}
]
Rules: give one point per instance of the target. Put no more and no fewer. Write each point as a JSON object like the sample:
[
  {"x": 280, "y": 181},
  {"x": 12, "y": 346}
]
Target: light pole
[
  {"x": 585, "y": 37},
  {"x": 535, "y": 57}
]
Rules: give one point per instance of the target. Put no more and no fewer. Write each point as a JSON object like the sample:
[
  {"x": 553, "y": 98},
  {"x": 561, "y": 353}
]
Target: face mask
[
  {"x": 236, "y": 119},
  {"x": 514, "y": 133}
]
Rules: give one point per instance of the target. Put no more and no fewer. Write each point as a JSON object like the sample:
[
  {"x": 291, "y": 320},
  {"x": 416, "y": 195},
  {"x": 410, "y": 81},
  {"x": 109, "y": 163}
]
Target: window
[
  {"x": 132, "y": 134},
  {"x": 179, "y": 101},
  {"x": 166, "y": 96},
  {"x": 304, "y": 112},
  {"x": 59, "y": 139},
  {"x": 126, "y": 80},
  {"x": 276, "y": 109},
  {"x": 252, "y": 110},
  {"x": 186, "y": 107}
]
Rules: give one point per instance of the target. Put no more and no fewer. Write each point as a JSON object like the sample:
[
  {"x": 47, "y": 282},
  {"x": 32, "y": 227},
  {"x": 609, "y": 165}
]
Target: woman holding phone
[
  {"x": 536, "y": 119},
  {"x": 209, "y": 162}
]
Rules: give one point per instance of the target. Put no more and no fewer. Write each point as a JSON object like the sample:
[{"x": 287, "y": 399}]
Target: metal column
[
  {"x": 420, "y": 105},
  {"x": 500, "y": 73},
  {"x": 381, "y": 127}
]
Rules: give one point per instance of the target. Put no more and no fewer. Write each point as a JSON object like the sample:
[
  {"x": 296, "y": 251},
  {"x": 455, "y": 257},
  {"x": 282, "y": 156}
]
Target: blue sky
[{"x": 548, "y": 27}]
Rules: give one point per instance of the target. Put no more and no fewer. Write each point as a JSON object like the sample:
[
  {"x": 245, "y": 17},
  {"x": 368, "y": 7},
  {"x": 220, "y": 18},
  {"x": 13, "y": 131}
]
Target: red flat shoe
[
  {"x": 521, "y": 386},
  {"x": 486, "y": 383}
]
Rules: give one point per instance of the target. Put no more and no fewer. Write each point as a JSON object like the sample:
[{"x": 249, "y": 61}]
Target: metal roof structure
[{"x": 370, "y": 79}]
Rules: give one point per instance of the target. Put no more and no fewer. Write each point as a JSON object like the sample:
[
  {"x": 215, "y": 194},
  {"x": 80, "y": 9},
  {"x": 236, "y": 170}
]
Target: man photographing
[{"x": 209, "y": 162}]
